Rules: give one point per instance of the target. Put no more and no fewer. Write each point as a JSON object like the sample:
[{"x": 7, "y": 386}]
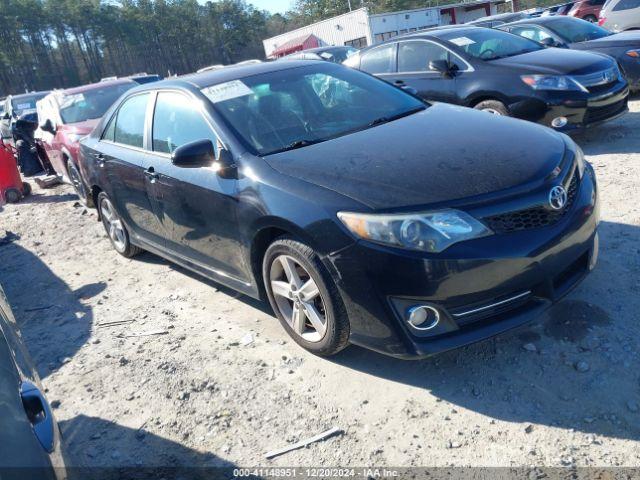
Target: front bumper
[
  {"x": 376, "y": 282},
  {"x": 581, "y": 109}
]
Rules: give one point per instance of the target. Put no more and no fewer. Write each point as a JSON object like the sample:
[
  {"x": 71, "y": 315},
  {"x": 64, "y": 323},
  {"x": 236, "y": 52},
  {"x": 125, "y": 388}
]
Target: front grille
[
  {"x": 604, "y": 77},
  {"x": 598, "y": 114},
  {"x": 536, "y": 217}
]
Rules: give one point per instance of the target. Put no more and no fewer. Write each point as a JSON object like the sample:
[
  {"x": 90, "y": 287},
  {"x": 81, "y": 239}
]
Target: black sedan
[
  {"x": 501, "y": 73},
  {"x": 28, "y": 431},
  {"x": 354, "y": 207},
  {"x": 569, "y": 32}
]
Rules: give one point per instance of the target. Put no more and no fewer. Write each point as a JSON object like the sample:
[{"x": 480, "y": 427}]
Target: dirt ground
[{"x": 563, "y": 391}]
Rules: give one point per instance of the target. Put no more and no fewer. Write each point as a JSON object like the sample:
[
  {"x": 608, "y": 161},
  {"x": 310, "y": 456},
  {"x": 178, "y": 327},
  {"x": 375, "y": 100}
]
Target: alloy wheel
[
  {"x": 298, "y": 298},
  {"x": 492, "y": 111},
  {"x": 113, "y": 225}
]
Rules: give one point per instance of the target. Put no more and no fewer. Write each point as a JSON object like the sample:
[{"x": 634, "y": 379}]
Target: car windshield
[
  {"x": 293, "y": 108},
  {"x": 91, "y": 104},
  {"x": 574, "y": 31},
  {"x": 24, "y": 103},
  {"x": 488, "y": 44}
]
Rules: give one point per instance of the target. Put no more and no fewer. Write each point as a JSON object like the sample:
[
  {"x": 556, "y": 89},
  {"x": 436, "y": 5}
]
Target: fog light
[
  {"x": 559, "y": 122},
  {"x": 423, "y": 317}
]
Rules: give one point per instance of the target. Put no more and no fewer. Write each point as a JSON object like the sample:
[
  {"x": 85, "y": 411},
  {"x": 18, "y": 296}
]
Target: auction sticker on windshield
[
  {"x": 462, "y": 41},
  {"x": 227, "y": 91}
]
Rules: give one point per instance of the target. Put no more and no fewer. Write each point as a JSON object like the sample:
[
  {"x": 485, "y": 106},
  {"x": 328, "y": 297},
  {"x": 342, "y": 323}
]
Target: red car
[
  {"x": 68, "y": 115},
  {"x": 588, "y": 10}
]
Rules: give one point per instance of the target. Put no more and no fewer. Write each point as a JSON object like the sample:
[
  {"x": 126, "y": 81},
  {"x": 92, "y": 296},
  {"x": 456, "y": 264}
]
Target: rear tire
[
  {"x": 12, "y": 195},
  {"x": 116, "y": 231},
  {"x": 494, "y": 107},
  {"x": 591, "y": 18},
  {"x": 78, "y": 184},
  {"x": 321, "y": 325}
]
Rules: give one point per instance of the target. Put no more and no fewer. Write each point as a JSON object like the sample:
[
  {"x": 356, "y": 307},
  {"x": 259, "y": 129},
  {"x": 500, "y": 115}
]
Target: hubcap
[
  {"x": 113, "y": 225},
  {"x": 298, "y": 298}
]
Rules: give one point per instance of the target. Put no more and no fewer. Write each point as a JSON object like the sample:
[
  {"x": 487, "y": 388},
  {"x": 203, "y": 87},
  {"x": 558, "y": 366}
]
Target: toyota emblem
[{"x": 558, "y": 197}]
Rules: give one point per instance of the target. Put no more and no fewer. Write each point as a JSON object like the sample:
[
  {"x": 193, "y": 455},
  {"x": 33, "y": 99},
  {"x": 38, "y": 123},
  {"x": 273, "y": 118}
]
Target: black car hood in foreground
[
  {"x": 623, "y": 39},
  {"x": 443, "y": 153},
  {"x": 557, "y": 61}
]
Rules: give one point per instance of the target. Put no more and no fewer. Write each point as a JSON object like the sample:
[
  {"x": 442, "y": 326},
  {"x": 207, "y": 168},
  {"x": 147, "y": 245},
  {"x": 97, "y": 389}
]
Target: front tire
[
  {"x": 116, "y": 231},
  {"x": 494, "y": 107},
  {"x": 304, "y": 297}
]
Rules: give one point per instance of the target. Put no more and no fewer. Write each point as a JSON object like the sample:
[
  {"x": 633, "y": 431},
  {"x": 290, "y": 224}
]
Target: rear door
[
  {"x": 196, "y": 208},
  {"x": 123, "y": 160},
  {"x": 414, "y": 57}
]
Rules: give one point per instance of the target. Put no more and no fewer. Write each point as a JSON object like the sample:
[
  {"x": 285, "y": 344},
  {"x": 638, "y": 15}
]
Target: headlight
[
  {"x": 580, "y": 160},
  {"x": 552, "y": 82},
  {"x": 428, "y": 232},
  {"x": 633, "y": 53}
]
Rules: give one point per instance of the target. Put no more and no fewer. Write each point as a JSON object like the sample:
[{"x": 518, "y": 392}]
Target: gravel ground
[{"x": 563, "y": 391}]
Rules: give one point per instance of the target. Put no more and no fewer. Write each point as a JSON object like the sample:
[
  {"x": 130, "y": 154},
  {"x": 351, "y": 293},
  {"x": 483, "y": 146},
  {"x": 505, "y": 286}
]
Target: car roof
[
  {"x": 498, "y": 16},
  {"x": 438, "y": 31},
  {"x": 96, "y": 86},
  {"x": 227, "y": 74},
  {"x": 324, "y": 49},
  {"x": 539, "y": 20}
]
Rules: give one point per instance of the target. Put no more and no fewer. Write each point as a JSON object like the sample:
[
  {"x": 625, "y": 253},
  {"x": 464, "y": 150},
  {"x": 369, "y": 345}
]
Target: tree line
[{"x": 47, "y": 44}]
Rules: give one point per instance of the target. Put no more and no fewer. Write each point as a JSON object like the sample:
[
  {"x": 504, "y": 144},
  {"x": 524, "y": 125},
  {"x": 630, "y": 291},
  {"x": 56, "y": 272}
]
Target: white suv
[{"x": 620, "y": 15}]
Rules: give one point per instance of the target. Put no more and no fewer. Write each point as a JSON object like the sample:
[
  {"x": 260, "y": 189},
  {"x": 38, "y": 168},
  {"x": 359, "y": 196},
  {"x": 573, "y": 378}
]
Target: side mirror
[
  {"x": 441, "y": 66},
  {"x": 47, "y": 126},
  {"x": 550, "y": 42},
  {"x": 194, "y": 155},
  {"x": 225, "y": 164},
  {"x": 410, "y": 90}
]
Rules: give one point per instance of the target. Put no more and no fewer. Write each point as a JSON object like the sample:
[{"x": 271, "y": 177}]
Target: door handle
[
  {"x": 39, "y": 414},
  {"x": 151, "y": 174}
]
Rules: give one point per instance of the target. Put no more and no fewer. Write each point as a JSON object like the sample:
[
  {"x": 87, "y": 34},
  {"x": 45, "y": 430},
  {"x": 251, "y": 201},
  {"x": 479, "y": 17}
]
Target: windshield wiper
[
  {"x": 294, "y": 145},
  {"x": 381, "y": 120}
]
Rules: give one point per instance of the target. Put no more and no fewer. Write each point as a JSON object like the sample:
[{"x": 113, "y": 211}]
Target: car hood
[
  {"x": 82, "y": 128},
  {"x": 560, "y": 61},
  {"x": 442, "y": 154},
  {"x": 623, "y": 39}
]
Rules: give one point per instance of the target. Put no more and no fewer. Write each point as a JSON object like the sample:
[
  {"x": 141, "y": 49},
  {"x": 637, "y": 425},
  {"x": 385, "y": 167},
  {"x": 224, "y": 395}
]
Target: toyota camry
[{"x": 356, "y": 209}]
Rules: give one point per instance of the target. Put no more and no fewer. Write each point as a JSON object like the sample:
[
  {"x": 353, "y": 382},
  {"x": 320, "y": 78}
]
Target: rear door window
[
  {"x": 129, "y": 125},
  {"x": 177, "y": 122},
  {"x": 379, "y": 60},
  {"x": 626, "y": 5}
]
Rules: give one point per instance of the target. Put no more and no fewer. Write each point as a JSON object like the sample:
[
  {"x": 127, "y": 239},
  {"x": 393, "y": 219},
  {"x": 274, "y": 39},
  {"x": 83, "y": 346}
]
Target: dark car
[
  {"x": 578, "y": 34},
  {"x": 29, "y": 433},
  {"x": 328, "y": 54},
  {"x": 66, "y": 116},
  {"x": 14, "y": 107},
  {"x": 351, "y": 205},
  {"x": 493, "y": 21},
  {"x": 558, "y": 10},
  {"x": 501, "y": 73}
]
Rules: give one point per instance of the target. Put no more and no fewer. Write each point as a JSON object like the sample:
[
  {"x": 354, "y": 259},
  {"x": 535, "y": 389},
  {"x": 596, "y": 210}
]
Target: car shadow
[
  {"x": 54, "y": 322},
  {"x": 619, "y": 136},
  {"x": 577, "y": 367},
  {"x": 38, "y": 198},
  {"x": 95, "y": 448},
  {"x": 152, "y": 258}
]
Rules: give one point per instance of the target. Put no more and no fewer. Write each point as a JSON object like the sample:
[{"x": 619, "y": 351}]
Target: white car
[{"x": 620, "y": 15}]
